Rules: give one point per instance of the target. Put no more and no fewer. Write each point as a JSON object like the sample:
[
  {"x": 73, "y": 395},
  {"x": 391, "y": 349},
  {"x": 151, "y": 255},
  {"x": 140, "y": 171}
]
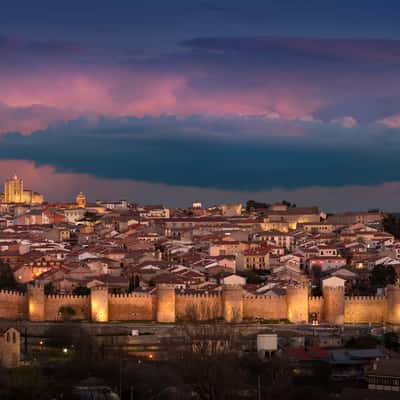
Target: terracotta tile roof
[{"x": 308, "y": 354}]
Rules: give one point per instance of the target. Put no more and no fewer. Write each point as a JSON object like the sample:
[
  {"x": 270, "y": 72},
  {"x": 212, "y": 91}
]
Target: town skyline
[{"x": 64, "y": 186}]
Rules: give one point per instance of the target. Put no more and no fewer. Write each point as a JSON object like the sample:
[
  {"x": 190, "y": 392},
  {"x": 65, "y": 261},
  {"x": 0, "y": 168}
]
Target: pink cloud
[
  {"x": 346, "y": 122},
  {"x": 42, "y": 97},
  {"x": 273, "y": 103},
  {"x": 259, "y": 77},
  {"x": 392, "y": 121}
]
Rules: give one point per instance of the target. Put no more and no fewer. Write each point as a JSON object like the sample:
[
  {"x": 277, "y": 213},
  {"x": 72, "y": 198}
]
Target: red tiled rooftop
[{"x": 309, "y": 354}]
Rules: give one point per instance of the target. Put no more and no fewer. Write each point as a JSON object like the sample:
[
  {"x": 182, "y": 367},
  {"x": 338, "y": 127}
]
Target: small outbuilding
[{"x": 10, "y": 348}]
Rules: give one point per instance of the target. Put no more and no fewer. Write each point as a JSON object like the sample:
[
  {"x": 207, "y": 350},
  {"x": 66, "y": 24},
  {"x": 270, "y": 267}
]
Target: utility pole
[
  {"x": 258, "y": 387},
  {"x": 131, "y": 393},
  {"x": 26, "y": 340},
  {"x": 120, "y": 377}
]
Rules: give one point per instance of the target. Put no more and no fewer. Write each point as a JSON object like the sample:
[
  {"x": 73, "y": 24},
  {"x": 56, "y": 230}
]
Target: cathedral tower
[
  {"x": 80, "y": 200},
  {"x": 14, "y": 190}
]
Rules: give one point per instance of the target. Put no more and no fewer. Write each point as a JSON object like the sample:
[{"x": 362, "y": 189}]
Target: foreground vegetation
[{"x": 201, "y": 372}]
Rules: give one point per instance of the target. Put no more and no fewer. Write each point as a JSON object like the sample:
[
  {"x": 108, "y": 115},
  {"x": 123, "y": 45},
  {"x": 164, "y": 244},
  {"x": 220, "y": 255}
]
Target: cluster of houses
[{"x": 131, "y": 248}]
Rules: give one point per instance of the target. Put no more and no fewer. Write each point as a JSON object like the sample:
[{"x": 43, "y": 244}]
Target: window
[
  {"x": 8, "y": 336},
  {"x": 14, "y": 337}
]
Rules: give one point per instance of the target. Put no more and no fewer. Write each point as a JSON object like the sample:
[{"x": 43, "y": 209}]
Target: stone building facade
[
  {"x": 14, "y": 192},
  {"x": 10, "y": 348}
]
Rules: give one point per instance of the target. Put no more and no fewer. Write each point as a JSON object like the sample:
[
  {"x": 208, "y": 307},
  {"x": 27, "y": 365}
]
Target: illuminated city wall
[
  {"x": 297, "y": 304},
  {"x": 99, "y": 304},
  {"x": 200, "y": 307},
  {"x": 231, "y": 304},
  {"x": 13, "y": 305},
  {"x": 365, "y": 309},
  {"x": 79, "y": 304},
  {"x": 265, "y": 307},
  {"x": 315, "y": 306},
  {"x": 334, "y": 305},
  {"x": 131, "y": 307}
]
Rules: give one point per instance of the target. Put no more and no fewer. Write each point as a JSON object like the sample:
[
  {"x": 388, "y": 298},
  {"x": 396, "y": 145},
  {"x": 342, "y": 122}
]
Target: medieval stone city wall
[
  {"x": 131, "y": 307},
  {"x": 265, "y": 307},
  {"x": 231, "y": 304},
  {"x": 297, "y": 304},
  {"x": 200, "y": 307},
  {"x": 80, "y": 305},
  {"x": 13, "y": 305},
  {"x": 365, "y": 309},
  {"x": 316, "y": 306},
  {"x": 333, "y": 309},
  {"x": 393, "y": 304}
]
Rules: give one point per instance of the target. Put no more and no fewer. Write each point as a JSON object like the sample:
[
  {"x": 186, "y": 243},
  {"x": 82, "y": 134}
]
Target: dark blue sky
[
  {"x": 231, "y": 95},
  {"x": 156, "y": 24}
]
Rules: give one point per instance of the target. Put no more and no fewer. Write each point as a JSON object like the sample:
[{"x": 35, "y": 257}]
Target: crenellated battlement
[
  {"x": 195, "y": 296},
  {"x": 129, "y": 296},
  {"x": 12, "y": 293},
  {"x": 315, "y": 298},
  {"x": 264, "y": 297},
  {"x": 60, "y": 297},
  {"x": 365, "y": 298}
]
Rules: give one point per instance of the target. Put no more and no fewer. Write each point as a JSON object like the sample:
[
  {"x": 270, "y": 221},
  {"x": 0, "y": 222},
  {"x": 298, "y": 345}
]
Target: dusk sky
[{"x": 174, "y": 101}]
